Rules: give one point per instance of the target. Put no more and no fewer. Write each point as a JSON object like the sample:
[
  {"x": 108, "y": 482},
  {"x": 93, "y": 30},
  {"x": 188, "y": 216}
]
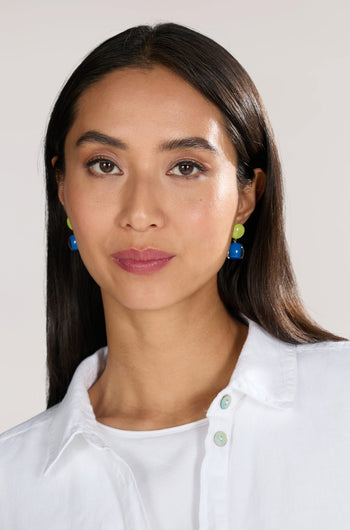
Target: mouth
[{"x": 142, "y": 261}]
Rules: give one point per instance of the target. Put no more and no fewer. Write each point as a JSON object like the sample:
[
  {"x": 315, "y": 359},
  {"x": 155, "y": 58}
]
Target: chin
[{"x": 141, "y": 299}]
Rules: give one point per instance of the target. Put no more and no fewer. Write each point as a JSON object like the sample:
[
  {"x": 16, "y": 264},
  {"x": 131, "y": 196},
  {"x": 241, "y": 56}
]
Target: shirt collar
[
  {"x": 266, "y": 371},
  {"x": 74, "y": 414}
]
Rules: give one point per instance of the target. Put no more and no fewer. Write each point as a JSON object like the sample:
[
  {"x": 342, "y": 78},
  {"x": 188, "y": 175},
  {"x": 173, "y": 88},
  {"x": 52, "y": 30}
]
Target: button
[
  {"x": 220, "y": 438},
  {"x": 225, "y": 402}
]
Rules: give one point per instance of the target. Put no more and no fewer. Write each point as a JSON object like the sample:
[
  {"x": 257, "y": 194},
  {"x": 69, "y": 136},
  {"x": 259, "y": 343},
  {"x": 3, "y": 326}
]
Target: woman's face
[{"x": 148, "y": 165}]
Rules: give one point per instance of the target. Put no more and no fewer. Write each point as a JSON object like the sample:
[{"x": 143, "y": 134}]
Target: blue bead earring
[
  {"x": 236, "y": 250},
  {"x": 72, "y": 243}
]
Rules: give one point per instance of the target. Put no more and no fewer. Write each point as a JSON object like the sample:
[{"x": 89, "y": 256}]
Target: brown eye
[
  {"x": 103, "y": 167},
  {"x": 189, "y": 169},
  {"x": 106, "y": 166},
  {"x": 186, "y": 169}
]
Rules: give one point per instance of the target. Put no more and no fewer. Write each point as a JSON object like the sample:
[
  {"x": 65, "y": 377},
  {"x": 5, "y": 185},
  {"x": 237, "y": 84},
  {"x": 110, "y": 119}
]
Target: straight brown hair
[{"x": 262, "y": 286}]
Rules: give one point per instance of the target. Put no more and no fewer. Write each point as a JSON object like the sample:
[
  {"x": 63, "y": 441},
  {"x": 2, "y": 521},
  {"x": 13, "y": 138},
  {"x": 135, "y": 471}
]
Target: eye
[
  {"x": 102, "y": 166},
  {"x": 188, "y": 168}
]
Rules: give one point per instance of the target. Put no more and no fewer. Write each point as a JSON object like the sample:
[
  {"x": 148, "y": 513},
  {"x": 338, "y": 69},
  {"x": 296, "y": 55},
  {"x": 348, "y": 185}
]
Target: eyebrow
[{"x": 194, "y": 142}]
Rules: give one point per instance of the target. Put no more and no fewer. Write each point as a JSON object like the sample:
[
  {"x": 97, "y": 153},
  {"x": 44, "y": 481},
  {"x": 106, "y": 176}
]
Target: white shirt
[
  {"x": 276, "y": 451},
  {"x": 166, "y": 464}
]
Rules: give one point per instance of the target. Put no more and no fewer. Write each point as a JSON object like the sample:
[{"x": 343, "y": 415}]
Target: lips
[{"x": 143, "y": 261}]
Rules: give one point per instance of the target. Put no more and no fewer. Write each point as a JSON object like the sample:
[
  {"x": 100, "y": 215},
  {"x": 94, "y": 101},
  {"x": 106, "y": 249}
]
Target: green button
[
  {"x": 220, "y": 438},
  {"x": 225, "y": 402}
]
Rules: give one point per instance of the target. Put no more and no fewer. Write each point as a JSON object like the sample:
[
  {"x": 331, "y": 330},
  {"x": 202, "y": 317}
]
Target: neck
[{"x": 165, "y": 367}]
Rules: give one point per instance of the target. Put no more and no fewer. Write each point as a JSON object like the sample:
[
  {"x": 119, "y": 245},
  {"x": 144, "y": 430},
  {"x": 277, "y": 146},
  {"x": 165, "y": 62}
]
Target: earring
[
  {"x": 236, "y": 250},
  {"x": 71, "y": 240}
]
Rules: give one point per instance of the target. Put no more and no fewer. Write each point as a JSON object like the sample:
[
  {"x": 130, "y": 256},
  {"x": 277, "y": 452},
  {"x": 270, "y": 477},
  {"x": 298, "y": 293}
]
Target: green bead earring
[
  {"x": 72, "y": 243},
  {"x": 236, "y": 250}
]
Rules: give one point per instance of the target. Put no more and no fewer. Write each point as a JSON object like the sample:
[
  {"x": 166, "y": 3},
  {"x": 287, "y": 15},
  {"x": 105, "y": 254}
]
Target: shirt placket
[{"x": 213, "y": 506}]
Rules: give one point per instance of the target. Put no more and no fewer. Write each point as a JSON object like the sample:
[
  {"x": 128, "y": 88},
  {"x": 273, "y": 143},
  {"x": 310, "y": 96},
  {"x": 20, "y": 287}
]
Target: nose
[{"x": 141, "y": 209}]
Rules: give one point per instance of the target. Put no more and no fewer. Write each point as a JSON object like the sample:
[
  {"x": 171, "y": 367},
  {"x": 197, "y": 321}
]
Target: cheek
[
  {"x": 211, "y": 217},
  {"x": 84, "y": 208}
]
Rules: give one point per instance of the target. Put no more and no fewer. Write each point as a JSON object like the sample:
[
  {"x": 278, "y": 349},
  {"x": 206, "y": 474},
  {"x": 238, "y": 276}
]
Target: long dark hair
[{"x": 261, "y": 286}]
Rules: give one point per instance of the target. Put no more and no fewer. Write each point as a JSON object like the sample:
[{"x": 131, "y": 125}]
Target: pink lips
[{"x": 143, "y": 261}]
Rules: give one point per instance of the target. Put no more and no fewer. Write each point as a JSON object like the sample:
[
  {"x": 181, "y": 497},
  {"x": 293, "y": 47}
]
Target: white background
[{"x": 297, "y": 53}]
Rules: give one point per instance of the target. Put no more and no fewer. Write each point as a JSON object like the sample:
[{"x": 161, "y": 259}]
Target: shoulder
[
  {"x": 28, "y": 426},
  {"x": 330, "y": 352},
  {"x": 25, "y": 438},
  {"x": 324, "y": 370}
]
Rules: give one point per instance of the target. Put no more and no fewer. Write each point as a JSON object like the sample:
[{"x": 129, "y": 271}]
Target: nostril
[{"x": 141, "y": 218}]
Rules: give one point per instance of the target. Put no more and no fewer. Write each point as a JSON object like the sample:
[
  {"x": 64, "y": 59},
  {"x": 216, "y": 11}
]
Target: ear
[
  {"x": 59, "y": 180},
  {"x": 250, "y": 195}
]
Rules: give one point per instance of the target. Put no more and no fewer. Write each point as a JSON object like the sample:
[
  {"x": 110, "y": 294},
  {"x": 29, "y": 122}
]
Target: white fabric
[
  {"x": 286, "y": 463},
  {"x": 166, "y": 465}
]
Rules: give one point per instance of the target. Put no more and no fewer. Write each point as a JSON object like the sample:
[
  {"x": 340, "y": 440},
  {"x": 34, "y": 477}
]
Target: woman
[{"x": 217, "y": 403}]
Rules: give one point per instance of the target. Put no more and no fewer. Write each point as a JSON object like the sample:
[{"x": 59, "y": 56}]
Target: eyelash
[
  {"x": 97, "y": 160},
  {"x": 201, "y": 168}
]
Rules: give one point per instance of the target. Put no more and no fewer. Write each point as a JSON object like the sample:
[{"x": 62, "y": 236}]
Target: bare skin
[
  {"x": 172, "y": 346},
  {"x": 165, "y": 376}
]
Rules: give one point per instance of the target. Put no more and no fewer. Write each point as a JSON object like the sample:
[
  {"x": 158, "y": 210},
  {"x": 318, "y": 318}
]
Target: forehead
[{"x": 149, "y": 103}]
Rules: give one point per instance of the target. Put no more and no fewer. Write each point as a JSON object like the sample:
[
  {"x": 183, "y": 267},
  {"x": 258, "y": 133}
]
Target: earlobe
[{"x": 60, "y": 191}]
